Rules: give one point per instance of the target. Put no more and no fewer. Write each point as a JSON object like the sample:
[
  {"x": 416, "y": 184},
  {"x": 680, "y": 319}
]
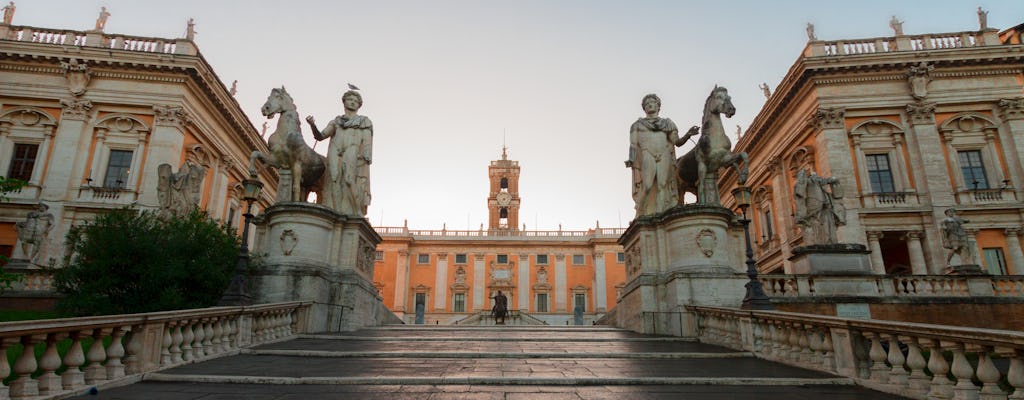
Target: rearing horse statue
[
  {"x": 698, "y": 168},
  {"x": 288, "y": 151}
]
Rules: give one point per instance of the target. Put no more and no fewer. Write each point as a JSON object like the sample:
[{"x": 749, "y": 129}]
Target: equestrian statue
[
  {"x": 698, "y": 168},
  {"x": 289, "y": 151}
]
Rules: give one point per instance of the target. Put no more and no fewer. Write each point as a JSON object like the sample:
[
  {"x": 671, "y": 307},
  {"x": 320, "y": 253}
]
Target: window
[
  {"x": 503, "y": 213},
  {"x": 620, "y": 257},
  {"x": 542, "y": 302},
  {"x": 995, "y": 263},
  {"x": 459, "y": 302},
  {"x": 504, "y": 183},
  {"x": 118, "y": 167},
  {"x": 880, "y": 173},
  {"x": 578, "y": 259},
  {"x": 542, "y": 259},
  {"x": 23, "y": 161},
  {"x": 378, "y": 255},
  {"x": 231, "y": 221},
  {"x": 423, "y": 258},
  {"x": 421, "y": 299},
  {"x": 767, "y": 230},
  {"x": 502, "y": 258},
  {"x": 580, "y": 301},
  {"x": 973, "y": 169},
  {"x": 460, "y": 258}
]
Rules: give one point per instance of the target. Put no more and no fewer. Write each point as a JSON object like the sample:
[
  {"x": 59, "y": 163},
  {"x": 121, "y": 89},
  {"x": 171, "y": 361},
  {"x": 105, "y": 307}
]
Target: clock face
[{"x": 504, "y": 198}]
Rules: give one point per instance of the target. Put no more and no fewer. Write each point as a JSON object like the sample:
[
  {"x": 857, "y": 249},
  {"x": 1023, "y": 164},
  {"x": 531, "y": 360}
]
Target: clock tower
[{"x": 503, "y": 201}]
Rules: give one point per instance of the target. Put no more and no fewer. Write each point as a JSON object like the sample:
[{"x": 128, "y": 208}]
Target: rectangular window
[
  {"x": 231, "y": 221},
  {"x": 620, "y": 257},
  {"x": 502, "y": 258},
  {"x": 118, "y": 168},
  {"x": 459, "y": 302},
  {"x": 768, "y": 232},
  {"x": 879, "y": 173},
  {"x": 460, "y": 258},
  {"x": 23, "y": 161},
  {"x": 542, "y": 259},
  {"x": 580, "y": 301},
  {"x": 542, "y": 302},
  {"x": 421, "y": 298},
  {"x": 378, "y": 255},
  {"x": 994, "y": 261},
  {"x": 423, "y": 258},
  {"x": 578, "y": 259},
  {"x": 973, "y": 169}
]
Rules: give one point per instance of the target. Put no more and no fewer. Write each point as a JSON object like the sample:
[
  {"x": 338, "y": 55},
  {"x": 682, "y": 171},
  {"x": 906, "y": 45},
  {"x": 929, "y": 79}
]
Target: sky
[{"x": 448, "y": 83}]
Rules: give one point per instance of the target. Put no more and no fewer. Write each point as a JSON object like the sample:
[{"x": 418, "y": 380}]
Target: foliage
[
  {"x": 131, "y": 262},
  {"x": 7, "y": 280}
]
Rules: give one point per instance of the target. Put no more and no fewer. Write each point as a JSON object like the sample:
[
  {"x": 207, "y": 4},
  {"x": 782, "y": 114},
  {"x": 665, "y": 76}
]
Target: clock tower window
[{"x": 504, "y": 184}]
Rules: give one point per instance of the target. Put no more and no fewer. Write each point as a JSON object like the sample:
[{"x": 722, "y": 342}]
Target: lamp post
[
  {"x": 237, "y": 293},
  {"x": 755, "y": 298}
]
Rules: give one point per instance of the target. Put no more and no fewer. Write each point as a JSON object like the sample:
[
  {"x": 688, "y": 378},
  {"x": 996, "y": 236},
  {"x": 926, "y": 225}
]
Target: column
[
  {"x": 1011, "y": 131},
  {"x": 560, "y": 284},
  {"x": 478, "y": 282},
  {"x": 441, "y": 283},
  {"x": 972, "y": 248},
  {"x": 877, "y": 263},
  {"x": 600, "y": 283},
  {"x": 917, "y": 264},
  {"x": 401, "y": 281},
  {"x": 165, "y": 146},
  {"x": 935, "y": 175},
  {"x": 1016, "y": 255},
  {"x": 836, "y": 162},
  {"x": 523, "y": 289}
]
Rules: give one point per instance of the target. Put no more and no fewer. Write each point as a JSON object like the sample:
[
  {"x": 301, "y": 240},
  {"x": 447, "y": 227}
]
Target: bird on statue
[{"x": 353, "y": 87}]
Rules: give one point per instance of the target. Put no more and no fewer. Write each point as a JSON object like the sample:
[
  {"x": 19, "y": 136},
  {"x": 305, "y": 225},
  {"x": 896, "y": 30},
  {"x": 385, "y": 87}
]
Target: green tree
[
  {"x": 8, "y": 279},
  {"x": 131, "y": 262}
]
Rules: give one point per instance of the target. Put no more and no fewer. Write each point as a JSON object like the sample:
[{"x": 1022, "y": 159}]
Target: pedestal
[
  {"x": 310, "y": 252},
  {"x": 831, "y": 259},
  {"x": 684, "y": 256},
  {"x": 966, "y": 269}
]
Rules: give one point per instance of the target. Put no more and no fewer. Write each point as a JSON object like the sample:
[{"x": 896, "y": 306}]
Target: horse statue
[
  {"x": 288, "y": 151},
  {"x": 698, "y": 168}
]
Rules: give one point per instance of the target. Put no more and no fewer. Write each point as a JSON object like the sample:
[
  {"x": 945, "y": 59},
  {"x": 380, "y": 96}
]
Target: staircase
[{"x": 510, "y": 362}]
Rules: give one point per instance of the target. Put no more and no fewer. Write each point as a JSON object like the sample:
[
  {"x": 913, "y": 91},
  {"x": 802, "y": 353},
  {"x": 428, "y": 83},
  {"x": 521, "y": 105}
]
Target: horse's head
[
  {"x": 719, "y": 102},
  {"x": 279, "y": 101}
]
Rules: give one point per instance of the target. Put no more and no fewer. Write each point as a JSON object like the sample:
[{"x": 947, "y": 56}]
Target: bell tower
[{"x": 503, "y": 201}]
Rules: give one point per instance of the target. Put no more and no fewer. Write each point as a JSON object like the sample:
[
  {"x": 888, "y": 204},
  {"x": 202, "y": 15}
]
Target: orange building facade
[{"x": 450, "y": 276}]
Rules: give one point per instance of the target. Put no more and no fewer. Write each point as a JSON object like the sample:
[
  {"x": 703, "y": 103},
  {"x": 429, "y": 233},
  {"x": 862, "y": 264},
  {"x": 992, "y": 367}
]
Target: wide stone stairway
[{"x": 431, "y": 362}]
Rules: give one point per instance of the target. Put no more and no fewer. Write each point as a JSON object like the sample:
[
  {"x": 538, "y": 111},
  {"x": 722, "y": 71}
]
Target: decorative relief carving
[
  {"x": 918, "y": 77},
  {"x": 367, "y": 254},
  {"x": 633, "y": 261},
  {"x": 1012, "y": 109},
  {"x": 288, "y": 241},
  {"x": 829, "y": 118},
  {"x": 921, "y": 113},
  {"x": 542, "y": 275},
  {"x": 706, "y": 241},
  {"x": 77, "y": 75},
  {"x": 170, "y": 115},
  {"x": 460, "y": 276},
  {"x": 76, "y": 109}
]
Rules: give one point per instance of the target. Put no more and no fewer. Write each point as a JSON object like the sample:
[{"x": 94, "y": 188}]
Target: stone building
[
  {"x": 86, "y": 118},
  {"x": 911, "y": 125},
  {"x": 449, "y": 276}
]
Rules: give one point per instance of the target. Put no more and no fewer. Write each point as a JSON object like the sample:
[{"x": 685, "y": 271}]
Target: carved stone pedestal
[
  {"x": 966, "y": 269},
  {"x": 309, "y": 252},
  {"x": 684, "y": 256},
  {"x": 830, "y": 263}
]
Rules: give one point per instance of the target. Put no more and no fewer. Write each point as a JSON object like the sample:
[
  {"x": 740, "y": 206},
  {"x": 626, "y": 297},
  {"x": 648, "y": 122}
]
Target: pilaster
[
  {"x": 837, "y": 162},
  {"x": 935, "y": 175},
  {"x": 71, "y": 144},
  {"x": 165, "y": 147},
  {"x": 523, "y": 288},
  {"x": 441, "y": 283},
  {"x": 1011, "y": 111},
  {"x": 600, "y": 283},
  {"x": 478, "y": 282},
  {"x": 561, "y": 291},
  {"x": 1013, "y": 247},
  {"x": 401, "y": 281}
]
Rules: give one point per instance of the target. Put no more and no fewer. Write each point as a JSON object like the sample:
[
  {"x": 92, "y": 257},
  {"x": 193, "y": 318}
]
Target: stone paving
[{"x": 488, "y": 363}]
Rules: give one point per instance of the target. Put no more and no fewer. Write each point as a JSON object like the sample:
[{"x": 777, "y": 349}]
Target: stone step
[
  {"x": 535, "y": 345},
  {"x": 493, "y": 380},
  {"x": 546, "y": 338},
  {"x": 479, "y": 355}
]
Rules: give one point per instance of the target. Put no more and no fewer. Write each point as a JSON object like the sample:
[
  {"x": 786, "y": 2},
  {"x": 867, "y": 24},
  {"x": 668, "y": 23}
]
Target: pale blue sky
[{"x": 443, "y": 81}]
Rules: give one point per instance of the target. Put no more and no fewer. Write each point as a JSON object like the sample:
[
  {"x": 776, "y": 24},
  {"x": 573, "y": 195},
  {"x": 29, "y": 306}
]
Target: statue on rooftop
[
  {"x": 810, "y": 32},
  {"x": 896, "y": 25},
  {"x": 982, "y": 18},
  {"x": 32, "y": 232},
  {"x": 765, "y": 89},
  {"x": 234, "y": 88},
  {"x": 9, "y": 13},
  {"x": 652, "y": 153},
  {"x": 819, "y": 207},
  {"x": 190, "y": 29},
  {"x": 349, "y": 155},
  {"x": 101, "y": 21}
]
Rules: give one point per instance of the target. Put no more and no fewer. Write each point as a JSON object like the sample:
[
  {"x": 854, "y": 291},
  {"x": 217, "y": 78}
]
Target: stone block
[{"x": 833, "y": 259}]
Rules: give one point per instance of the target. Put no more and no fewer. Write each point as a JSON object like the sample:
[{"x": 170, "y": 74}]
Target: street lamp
[
  {"x": 237, "y": 293},
  {"x": 755, "y": 298}
]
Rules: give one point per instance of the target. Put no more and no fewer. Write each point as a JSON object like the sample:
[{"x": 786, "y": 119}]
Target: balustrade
[
  {"x": 105, "y": 349},
  {"x": 908, "y": 359},
  {"x": 888, "y": 44},
  {"x": 99, "y": 39}
]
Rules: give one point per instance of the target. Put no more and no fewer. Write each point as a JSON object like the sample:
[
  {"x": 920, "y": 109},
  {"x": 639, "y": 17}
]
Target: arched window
[{"x": 504, "y": 183}]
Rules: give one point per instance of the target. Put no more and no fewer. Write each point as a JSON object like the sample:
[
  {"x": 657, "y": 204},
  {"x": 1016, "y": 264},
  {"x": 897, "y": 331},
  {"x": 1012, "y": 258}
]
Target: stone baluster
[
  {"x": 897, "y": 374},
  {"x": 780, "y": 341},
  {"x": 208, "y": 337},
  {"x": 198, "y": 348},
  {"x": 794, "y": 342},
  {"x": 94, "y": 372},
  {"x": 49, "y": 382},
  {"x": 165, "y": 346},
  {"x": 218, "y": 332},
  {"x": 941, "y": 387},
  {"x": 5, "y": 366},
  {"x": 187, "y": 338},
  {"x": 964, "y": 373},
  {"x": 115, "y": 352},
  {"x": 806, "y": 355},
  {"x": 132, "y": 360},
  {"x": 759, "y": 331},
  {"x": 918, "y": 381},
  {"x": 176, "y": 339},
  {"x": 815, "y": 344},
  {"x": 73, "y": 378},
  {"x": 989, "y": 376},
  {"x": 879, "y": 371},
  {"x": 1015, "y": 375},
  {"x": 25, "y": 386},
  {"x": 829, "y": 356},
  {"x": 229, "y": 334}
]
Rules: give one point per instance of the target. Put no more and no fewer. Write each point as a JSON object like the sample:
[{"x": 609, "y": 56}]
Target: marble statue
[
  {"x": 954, "y": 238},
  {"x": 739, "y": 131},
  {"x": 765, "y": 89},
  {"x": 101, "y": 21},
  {"x": 349, "y": 155},
  {"x": 819, "y": 207},
  {"x": 652, "y": 149},
  {"x": 982, "y": 18},
  {"x": 32, "y": 232},
  {"x": 9, "y": 13},
  {"x": 289, "y": 152},
  {"x": 896, "y": 25},
  {"x": 810, "y": 32},
  {"x": 698, "y": 168},
  {"x": 190, "y": 29},
  {"x": 179, "y": 192}
]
